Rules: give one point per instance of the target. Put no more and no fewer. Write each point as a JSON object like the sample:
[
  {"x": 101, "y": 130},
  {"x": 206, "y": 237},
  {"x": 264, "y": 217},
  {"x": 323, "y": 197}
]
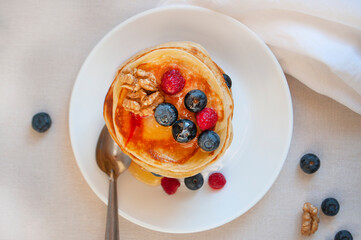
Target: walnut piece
[
  {"x": 142, "y": 74},
  {"x": 148, "y": 100},
  {"x": 126, "y": 78},
  {"x": 129, "y": 70},
  {"x": 146, "y": 111},
  {"x": 152, "y": 78},
  {"x": 137, "y": 95},
  {"x": 147, "y": 84},
  {"x": 310, "y": 219},
  {"x": 149, "y": 110},
  {"x": 143, "y": 95},
  {"x": 134, "y": 88},
  {"x": 131, "y": 105},
  {"x": 130, "y": 87}
]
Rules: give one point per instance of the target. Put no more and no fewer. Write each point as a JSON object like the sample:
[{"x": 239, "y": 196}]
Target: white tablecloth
[{"x": 42, "y": 192}]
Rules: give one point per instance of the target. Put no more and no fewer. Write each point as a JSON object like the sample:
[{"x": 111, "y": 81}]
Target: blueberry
[
  {"x": 41, "y": 122},
  {"x": 330, "y": 206},
  {"x": 343, "y": 235},
  {"x": 157, "y": 175},
  {"x": 195, "y": 100},
  {"x": 228, "y": 80},
  {"x": 208, "y": 141},
  {"x": 166, "y": 114},
  {"x": 310, "y": 163},
  {"x": 195, "y": 182},
  {"x": 184, "y": 130}
]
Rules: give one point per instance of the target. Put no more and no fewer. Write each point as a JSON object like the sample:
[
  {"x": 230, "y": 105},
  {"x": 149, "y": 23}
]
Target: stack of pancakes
[{"x": 131, "y": 121}]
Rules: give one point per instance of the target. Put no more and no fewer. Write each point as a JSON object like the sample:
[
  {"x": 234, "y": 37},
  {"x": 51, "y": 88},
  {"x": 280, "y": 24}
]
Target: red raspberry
[
  {"x": 172, "y": 82},
  {"x": 170, "y": 185},
  {"x": 216, "y": 180},
  {"x": 207, "y": 119}
]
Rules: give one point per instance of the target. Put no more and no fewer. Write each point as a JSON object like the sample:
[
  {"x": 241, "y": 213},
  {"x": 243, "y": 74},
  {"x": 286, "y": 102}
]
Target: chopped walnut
[
  {"x": 143, "y": 95},
  {"x": 146, "y": 111},
  {"x": 126, "y": 78},
  {"x": 137, "y": 95},
  {"x": 149, "y": 110},
  {"x": 142, "y": 74},
  {"x": 130, "y": 87},
  {"x": 137, "y": 87},
  {"x": 147, "y": 84},
  {"x": 148, "y": 100},
  {"x": 131, "y": 105},
  {"x": 129, "y": 70},
  {"x": 158, "y": 100},
  {"x": 310, "y": 219},
  {"x": 152, "y": 78}
]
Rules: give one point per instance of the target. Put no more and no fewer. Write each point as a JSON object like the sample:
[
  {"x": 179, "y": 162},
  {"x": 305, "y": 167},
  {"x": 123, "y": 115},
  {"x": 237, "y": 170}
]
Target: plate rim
[{"x": 285, "y": 89}]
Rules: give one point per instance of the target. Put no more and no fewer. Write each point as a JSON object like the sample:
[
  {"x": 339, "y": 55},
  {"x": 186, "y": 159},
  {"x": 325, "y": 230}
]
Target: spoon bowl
[
  {"x": 109, "y": 156},
  {"x": 113, "y": 162}
]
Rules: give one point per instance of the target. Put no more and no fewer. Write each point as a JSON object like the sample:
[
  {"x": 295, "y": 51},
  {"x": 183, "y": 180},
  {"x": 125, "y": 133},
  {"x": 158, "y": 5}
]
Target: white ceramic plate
[{"x": 262, "y": 119}]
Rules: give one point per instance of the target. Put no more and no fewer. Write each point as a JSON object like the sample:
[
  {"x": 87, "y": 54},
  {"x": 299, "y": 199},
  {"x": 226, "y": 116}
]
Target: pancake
[{"x": 135, "y": 92}]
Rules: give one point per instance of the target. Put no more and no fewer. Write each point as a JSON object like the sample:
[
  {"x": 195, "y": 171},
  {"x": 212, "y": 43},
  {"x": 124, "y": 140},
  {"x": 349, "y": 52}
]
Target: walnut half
[
  {"x": 310, "y": 219},
  {"x": 131, "y": 105},
  {"x": 143, "y": 95}
]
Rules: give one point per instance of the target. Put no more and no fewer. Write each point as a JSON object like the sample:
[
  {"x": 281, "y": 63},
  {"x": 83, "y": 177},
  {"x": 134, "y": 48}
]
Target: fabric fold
[{"x": 317, "y": 42}]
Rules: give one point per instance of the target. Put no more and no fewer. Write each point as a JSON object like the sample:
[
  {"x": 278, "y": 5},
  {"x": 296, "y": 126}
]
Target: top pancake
[{"x": 151, "y": 145}]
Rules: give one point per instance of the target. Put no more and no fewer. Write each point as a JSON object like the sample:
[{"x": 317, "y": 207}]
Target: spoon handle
[{"x": 112, "y": 231}]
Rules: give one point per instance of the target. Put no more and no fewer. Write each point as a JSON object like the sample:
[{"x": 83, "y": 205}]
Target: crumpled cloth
[{"x": 316, "y": 41}]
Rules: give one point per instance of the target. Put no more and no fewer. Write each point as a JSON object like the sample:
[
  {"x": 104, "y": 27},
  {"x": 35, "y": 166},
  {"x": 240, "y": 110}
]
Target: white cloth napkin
[{"x": 316, "y": 41}]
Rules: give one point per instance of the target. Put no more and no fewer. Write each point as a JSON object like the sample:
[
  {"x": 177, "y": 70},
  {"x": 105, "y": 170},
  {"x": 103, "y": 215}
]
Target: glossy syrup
[
  {"x": 135, "y": 122},
  {"x": 151, "y": 140},
  {"x": 143, "y": 175}
]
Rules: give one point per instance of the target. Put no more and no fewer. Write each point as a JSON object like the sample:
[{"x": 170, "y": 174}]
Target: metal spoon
[{"x": 113, "y": 162}]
